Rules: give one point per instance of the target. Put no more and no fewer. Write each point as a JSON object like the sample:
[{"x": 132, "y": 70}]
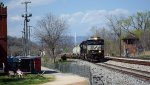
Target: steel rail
[{"x": 140, "y": 74}]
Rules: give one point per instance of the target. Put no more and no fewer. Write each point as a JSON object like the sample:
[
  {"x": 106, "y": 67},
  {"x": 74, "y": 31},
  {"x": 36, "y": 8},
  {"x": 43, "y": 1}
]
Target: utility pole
[
  {"x": 23, "y": 39},
  {"x": 30, "y": 39},
  {"x": 26, "y": 16}
]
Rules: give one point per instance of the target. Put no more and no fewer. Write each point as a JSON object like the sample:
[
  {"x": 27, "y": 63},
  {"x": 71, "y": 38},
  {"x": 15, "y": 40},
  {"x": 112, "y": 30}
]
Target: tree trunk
[
  {"x": 120, "y": 45},
  {"x": 53, "y": 54},
  {"x": 120, "y": 41}
]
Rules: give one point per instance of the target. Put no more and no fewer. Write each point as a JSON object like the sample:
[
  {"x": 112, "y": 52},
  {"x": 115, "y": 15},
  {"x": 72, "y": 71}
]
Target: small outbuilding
[
  {"x": 131, "y": 45},
  {"x": 30, "y": 64}
]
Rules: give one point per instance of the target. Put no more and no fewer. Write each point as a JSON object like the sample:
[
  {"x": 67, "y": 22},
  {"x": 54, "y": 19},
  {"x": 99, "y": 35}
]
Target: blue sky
[{"x": 80, "y": 14}]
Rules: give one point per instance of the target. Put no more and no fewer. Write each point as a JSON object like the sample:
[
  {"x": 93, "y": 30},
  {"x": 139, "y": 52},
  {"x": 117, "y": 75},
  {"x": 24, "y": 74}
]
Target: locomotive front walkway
[{"x": 64, "y": 78}]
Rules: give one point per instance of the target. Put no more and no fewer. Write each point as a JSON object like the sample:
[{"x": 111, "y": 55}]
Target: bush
[{"x": 64, "y": 57}]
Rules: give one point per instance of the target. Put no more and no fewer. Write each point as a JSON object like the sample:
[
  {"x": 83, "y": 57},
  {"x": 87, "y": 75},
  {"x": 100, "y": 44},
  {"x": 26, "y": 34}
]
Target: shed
[
  {"x": 30, "y": 64},
  {"x": 130, "y": 43}
]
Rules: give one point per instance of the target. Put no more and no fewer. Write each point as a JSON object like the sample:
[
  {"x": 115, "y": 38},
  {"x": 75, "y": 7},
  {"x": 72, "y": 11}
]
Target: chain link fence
[{"x": 78, "y": 68}]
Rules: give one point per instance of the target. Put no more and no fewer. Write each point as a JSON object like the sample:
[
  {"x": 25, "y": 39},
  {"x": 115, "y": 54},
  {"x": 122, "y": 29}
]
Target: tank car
[{"x": 76, "y": 52}]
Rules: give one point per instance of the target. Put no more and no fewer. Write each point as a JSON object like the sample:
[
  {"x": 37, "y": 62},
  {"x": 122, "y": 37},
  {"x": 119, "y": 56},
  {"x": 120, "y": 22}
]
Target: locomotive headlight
[{"x": 99, "y": 51}]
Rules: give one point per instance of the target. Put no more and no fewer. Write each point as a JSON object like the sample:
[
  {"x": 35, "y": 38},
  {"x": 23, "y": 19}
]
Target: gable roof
[{"x": 134, "y": 37}]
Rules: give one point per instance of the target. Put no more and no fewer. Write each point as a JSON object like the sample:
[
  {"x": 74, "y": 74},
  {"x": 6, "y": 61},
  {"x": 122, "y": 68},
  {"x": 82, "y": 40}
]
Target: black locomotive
[{"x": 92, "y": 49}]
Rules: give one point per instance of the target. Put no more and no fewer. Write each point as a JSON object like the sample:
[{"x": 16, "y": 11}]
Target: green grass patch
[
  {"x": 145, "y": 56},
  {"x": 29, "y": 79}
]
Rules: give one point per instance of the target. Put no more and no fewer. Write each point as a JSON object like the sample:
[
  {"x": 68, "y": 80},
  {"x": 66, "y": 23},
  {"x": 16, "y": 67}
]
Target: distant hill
[
  {"x": 15, "y": 46},
  {"x": 14, "y": 41}
]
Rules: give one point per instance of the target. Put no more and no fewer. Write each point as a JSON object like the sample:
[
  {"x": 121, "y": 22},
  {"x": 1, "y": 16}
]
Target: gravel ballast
[
  {"x": 104, "y": 76},
  {"x": 127, "y": 65}
]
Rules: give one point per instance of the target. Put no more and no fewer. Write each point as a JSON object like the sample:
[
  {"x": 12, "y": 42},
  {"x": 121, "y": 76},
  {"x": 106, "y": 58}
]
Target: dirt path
[{"x": 65, "y": 79}]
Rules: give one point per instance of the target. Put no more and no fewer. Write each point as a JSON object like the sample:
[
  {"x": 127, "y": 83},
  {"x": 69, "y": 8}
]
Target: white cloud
[
  {"x": 15, "y": 8},
  {"x": 85, "y": 20},
  {"x": 73, "y": 18},
  {"x": 93, "y": 17},
  {"x": 15, "y": 18},
  {"x": 119, "y": 12}
]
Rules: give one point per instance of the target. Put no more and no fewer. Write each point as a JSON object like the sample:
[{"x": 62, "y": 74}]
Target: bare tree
[
  {"x": 138, "y": 24},
  {"x": 110, "y": 44},
  {"x": 95, "y": 31},
  {"x": 141, "y": 22},
  {"x": 50, "y": 30},
  {"x": 115, "y": 25}
]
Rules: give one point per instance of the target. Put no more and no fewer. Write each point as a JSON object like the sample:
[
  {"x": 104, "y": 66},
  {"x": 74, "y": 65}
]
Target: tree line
[
  {"x": 118, "y": 27},
  {"x": 52, "y": 32}
]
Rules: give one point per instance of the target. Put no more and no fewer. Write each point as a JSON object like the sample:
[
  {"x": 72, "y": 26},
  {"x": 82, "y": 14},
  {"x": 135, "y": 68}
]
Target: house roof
[
  {"x": 18, "y": 58},
  {"x": 134, "y": 37},
  {"x": 27, "y": 57}
]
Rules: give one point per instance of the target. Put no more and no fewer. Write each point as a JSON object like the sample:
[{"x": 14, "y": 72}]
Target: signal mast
[{"x": 26, "y": 15}]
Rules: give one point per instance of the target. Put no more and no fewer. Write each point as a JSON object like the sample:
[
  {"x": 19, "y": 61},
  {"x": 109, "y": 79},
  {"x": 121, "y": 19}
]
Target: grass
[
  {"x": 29, "y": 79},
  {"x": 144, "y": 57}
]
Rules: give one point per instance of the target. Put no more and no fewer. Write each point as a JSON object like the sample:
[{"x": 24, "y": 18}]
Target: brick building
[
  {"x": 3, "y": 35},
  {"x": 131, "y": 45}
]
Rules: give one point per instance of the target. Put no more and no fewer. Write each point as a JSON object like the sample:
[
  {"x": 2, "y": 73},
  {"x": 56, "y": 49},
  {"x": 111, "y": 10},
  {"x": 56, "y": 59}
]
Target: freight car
[
  {"x": 91, "y": 49},
  {"x": 76, "y": 52}
]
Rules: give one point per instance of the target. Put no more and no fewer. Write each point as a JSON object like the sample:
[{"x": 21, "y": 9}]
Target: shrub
[{"x": 64, "y": 57}]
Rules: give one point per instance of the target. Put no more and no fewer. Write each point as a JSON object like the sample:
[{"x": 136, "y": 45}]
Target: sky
[{"x": 81, "y": 15}]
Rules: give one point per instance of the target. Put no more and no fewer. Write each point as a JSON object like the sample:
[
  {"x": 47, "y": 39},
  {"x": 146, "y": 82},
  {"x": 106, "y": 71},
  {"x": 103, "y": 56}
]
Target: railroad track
[
  {"x": 131, "y": 61},
  {"x": 144, "y": 75},
  {"x": 133, "y": 73}
]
